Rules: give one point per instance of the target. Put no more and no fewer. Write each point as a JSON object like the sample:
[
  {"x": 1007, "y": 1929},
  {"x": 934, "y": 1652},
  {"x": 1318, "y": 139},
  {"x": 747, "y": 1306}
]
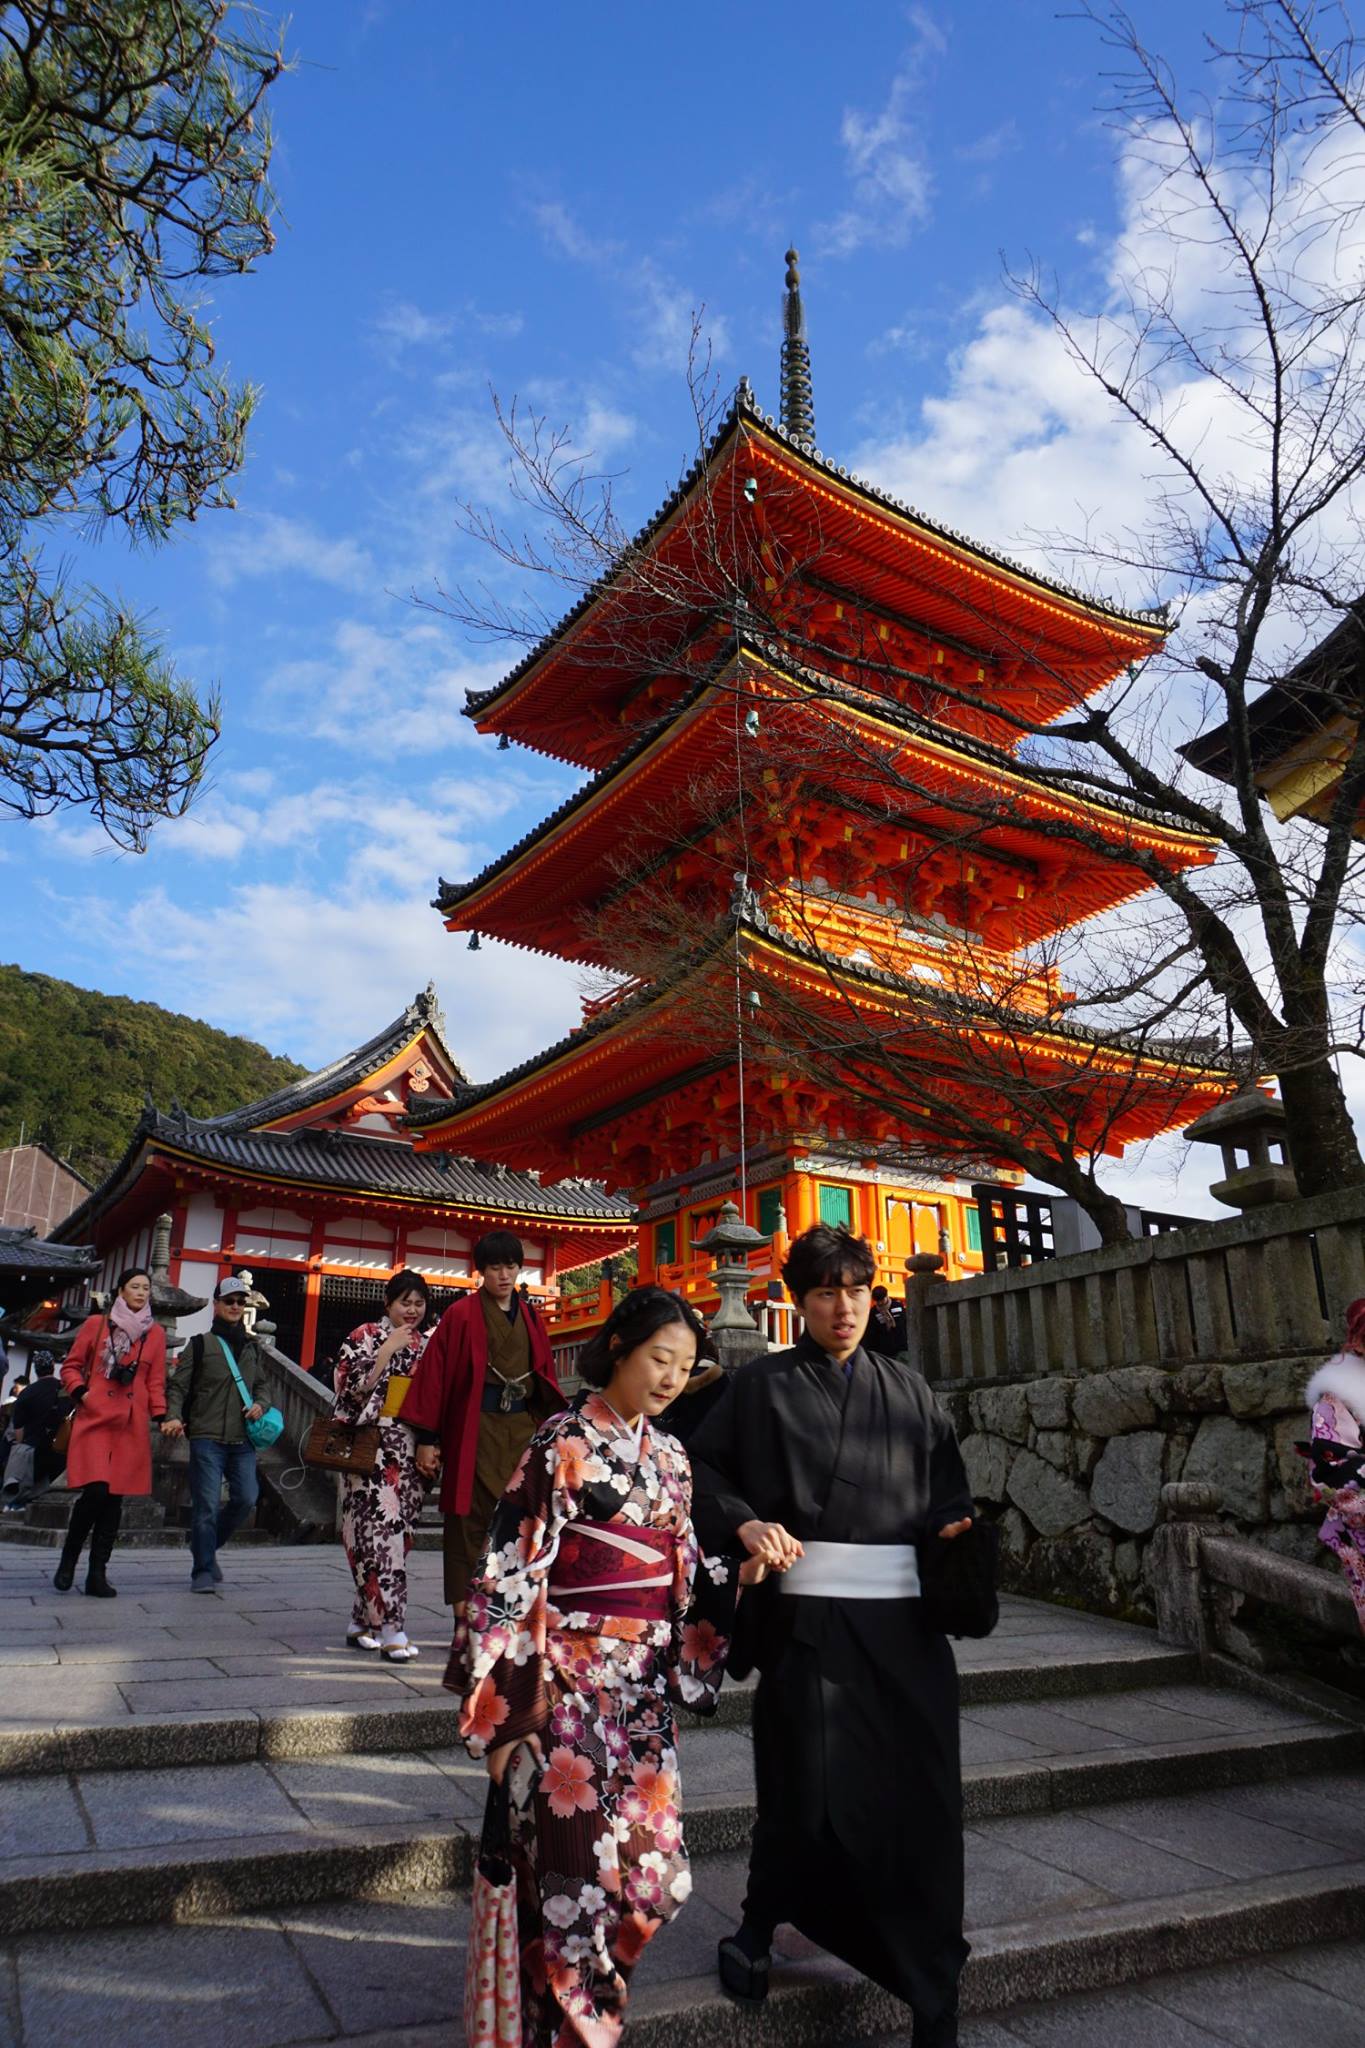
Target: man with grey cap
[{"x": 204, "y": 1401}]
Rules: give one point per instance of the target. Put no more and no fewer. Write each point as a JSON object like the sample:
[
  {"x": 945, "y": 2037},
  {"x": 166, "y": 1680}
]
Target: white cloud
[
  {"x": 402, "y": 325},
  {"x": 885, "y": 158},
  {"x": 312, "y": 972},
  {"x": 1020, "y": 442},
  {"x": 659, "y": 308},
  {"x": 403, "y": 685},
  {"x": 269, "y": 544},
  {"x": 663, "y": 316},
  {"x": 406, "y": 326},
  {"x": 565, "y": 234}
]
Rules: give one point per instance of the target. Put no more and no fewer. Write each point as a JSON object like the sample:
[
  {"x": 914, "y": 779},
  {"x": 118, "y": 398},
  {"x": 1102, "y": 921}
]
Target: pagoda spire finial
[{"x": 798, "y": 393}]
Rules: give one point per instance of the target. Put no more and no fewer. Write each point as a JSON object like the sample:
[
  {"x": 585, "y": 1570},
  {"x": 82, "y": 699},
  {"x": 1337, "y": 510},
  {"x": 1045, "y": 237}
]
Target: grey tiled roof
[
  {"x": 744, "y": 408},
  {"x": 422, "y": 1013},
  {"x": 385, "y": 1166},
  {"x": 868, "y": 702},
  {"x": 23, "y": 1251}
]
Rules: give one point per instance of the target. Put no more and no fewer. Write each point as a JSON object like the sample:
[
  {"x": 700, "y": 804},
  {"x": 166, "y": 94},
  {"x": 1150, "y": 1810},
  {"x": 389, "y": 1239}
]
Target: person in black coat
[
  {"x": 38, "y": 1415},
  {"x": 834, "y": 1464}
]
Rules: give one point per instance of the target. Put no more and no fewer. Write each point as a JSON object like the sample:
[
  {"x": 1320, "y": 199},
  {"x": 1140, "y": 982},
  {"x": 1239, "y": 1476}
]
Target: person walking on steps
[
  {"x": 834, "y": 1466},
  {"x": 380, "y": 1508},
  {"x": 484, "y": 1385},
  {"x": 115, "y": 1372},
  {"x": 218, "y": 1387},
  {"x": 1336, "y": 1451}
]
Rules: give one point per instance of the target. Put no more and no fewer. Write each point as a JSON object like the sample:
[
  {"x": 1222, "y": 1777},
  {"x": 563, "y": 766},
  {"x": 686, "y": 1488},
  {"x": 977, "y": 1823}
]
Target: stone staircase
[
  {"x": 1125, "y": 1818},
  {"x": 146, "y": 1524}
]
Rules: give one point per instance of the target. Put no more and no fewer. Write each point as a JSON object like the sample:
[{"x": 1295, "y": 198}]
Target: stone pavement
[
  {"x": 209, "y": 1804},
  {"x": 273, "y": 1635}
]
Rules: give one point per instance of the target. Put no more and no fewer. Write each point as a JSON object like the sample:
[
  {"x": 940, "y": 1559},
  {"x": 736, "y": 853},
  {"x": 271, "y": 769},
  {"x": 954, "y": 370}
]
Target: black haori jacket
[{"x": 867, "y": 1459}]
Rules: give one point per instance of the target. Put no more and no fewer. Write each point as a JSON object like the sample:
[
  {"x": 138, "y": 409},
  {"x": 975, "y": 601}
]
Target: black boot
[
  {"x": 742, "y": 1963},
  {"x": 83, "y": 1511},
  {"x": 101, "y": 1547},
  {"x": 939, "y": 2032}
]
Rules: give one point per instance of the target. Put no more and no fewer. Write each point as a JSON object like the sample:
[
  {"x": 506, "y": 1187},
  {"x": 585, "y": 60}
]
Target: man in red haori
[{"x": 484, "y": 1384}]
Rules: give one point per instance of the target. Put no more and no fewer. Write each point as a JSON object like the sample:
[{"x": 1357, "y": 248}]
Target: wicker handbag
[{"x": 342, "y": 1446}]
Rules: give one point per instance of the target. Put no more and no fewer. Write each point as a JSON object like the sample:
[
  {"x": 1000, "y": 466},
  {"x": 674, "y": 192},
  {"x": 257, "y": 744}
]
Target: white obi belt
[{"x": 854, "y": 1571}]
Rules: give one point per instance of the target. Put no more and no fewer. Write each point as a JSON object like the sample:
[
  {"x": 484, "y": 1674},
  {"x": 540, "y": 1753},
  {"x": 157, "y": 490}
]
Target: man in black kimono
[{"x": 831, "y": 1463}]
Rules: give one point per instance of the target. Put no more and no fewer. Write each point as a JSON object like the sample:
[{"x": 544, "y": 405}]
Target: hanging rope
[{"x": 741, "y": 902}]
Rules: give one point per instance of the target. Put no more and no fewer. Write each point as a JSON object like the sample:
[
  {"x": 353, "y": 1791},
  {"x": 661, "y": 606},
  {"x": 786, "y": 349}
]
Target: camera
[{"x": 123, "y": 1375}]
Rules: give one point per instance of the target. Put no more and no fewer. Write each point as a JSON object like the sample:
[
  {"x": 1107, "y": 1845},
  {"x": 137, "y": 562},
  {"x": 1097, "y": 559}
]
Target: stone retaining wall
[{"x": 1072, "y": 1468}]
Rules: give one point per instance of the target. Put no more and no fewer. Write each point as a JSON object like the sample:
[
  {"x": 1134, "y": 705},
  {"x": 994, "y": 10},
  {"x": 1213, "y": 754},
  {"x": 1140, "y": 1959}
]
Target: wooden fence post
[{"x": 921, "y": 1322}]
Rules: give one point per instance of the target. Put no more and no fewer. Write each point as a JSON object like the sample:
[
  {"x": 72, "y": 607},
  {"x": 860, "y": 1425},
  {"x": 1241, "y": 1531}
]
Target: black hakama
[{"x": 859, "y": 1835}]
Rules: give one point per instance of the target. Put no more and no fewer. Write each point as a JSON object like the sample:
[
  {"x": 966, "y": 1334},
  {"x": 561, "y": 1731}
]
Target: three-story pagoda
[{"x": 798, "y": 701}]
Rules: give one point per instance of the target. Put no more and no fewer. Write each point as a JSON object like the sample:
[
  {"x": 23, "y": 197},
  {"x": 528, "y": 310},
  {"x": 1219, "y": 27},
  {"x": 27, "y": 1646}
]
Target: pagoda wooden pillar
[
  {"x": 802, "y": 1204},
  {"x": 312, "y": 1297}
]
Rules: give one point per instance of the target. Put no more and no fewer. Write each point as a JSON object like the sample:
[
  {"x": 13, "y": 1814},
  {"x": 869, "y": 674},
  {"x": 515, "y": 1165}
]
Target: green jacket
[{"x": 203, "y": 1395}]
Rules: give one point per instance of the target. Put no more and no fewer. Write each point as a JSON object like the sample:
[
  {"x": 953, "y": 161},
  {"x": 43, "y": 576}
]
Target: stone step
[
  {"x": 817, "y": 2003},
  {"x": 16, "y": 1529},
  {"x": 152, "y": 1740},
  {"x": 1013, "y": 1673},
  {"x": 181, "y": 1844},
  {"x": 387, "y": 1973},
  {"x": 1266, "y": 2001},
  {"x": 52, "y": 1510}
]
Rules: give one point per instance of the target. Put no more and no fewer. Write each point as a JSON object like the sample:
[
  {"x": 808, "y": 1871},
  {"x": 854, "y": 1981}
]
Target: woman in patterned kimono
[
  {"x": 589, "y": 1616},
  {"x": 1336, "y": 1395},
  {"x": 380, "y": 1508}
]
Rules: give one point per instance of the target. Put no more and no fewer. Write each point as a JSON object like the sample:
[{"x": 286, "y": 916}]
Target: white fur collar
[{"x": 1343, "y": 1376}]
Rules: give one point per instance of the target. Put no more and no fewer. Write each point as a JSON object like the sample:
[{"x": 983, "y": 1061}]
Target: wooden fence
[{"x": 1266, "y": 1284}]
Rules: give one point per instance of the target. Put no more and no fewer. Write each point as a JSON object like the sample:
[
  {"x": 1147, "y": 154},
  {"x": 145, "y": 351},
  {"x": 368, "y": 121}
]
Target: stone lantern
[
  {"x": 1249, "y": 1129},
  {"x": 168, "y": 1302},
  {"x": 729, "y": 1241}
]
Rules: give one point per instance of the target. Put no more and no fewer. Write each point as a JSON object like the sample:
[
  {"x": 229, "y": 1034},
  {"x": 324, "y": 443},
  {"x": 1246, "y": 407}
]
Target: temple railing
[
  {"x": 1270, "y": 1283},
  {"x": 1203, "y": 1576},
  {"x": 310, "y": 1498}
]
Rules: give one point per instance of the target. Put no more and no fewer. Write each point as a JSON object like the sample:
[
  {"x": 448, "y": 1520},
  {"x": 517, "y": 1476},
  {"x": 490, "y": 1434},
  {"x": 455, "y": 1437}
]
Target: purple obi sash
[{"x": 614, "y": 1568}]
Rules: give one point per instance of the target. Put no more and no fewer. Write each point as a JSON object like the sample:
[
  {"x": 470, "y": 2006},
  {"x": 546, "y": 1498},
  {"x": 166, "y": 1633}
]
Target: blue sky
[{"x": 535, "y": 199}]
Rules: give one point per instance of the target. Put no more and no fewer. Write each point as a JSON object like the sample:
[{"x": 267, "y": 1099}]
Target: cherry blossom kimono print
[
  {"x": 380, "y": 1509},
  {"x": 1336, "y": 1395},
  {"x": 588, "y": 1618}
]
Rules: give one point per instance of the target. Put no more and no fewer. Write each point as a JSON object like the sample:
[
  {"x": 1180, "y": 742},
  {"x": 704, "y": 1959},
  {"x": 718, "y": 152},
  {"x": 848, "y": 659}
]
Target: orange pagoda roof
[
  {"x": 650, "y": 809},
  {"x": 763, "y": 509},
  {"x": 635, "y": 1095}
]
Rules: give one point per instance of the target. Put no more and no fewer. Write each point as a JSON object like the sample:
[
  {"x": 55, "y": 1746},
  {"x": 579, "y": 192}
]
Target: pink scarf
[{"x": 127, "y": 1327}]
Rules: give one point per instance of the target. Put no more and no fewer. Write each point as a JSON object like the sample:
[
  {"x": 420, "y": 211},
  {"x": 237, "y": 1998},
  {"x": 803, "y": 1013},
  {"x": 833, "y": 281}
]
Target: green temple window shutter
[
  {"x": 666, "y": 1243},
  {"x": 769, "y": 1209},
  {"x": 836, "y": 1206},
  {"x": 973, "y": 1229}
]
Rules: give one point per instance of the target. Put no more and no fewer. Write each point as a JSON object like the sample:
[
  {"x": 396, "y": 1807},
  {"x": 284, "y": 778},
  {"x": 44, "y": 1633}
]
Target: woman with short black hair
[
  {"x": 589, "y": 1615},
  {"x": 115, "y": 1372},
  {"x": 380, "y": 1508}
]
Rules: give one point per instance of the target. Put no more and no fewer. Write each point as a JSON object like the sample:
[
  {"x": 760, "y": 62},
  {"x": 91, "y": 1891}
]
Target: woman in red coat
[{"x": 116, "y": 1373}]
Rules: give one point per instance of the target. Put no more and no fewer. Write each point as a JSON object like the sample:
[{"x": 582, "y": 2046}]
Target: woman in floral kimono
[
  {"x": 380, "y": 1508},
  {"x": 1336, "y": 1395},
  {"x": 583, "y": 1629}
]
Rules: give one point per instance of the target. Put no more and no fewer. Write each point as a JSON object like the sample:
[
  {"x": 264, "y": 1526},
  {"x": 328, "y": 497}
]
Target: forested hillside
[{"x": 75, "y": 1067}]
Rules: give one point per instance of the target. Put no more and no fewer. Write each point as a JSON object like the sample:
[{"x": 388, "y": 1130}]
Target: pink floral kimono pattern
[
  {"x": 379, "y": 1511},
  {"x": 1343, "y": 1526},
  {"x": 596, "y": 1834}
]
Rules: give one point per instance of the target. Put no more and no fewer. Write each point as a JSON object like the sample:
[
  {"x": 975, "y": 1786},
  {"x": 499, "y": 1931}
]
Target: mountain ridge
[{"x": 76, "y": 1066}]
